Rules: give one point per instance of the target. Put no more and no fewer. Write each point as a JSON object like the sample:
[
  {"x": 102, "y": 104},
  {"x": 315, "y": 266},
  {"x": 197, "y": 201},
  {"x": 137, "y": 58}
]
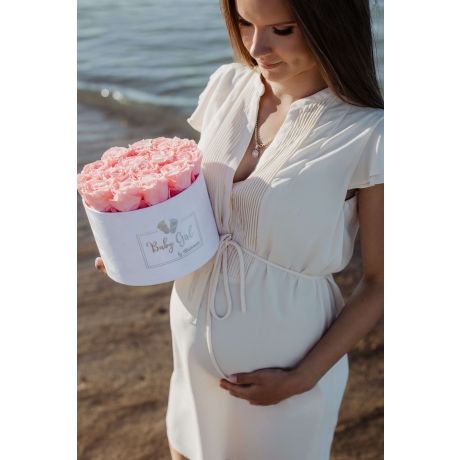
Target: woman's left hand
[{"x": 263, "y": 387}]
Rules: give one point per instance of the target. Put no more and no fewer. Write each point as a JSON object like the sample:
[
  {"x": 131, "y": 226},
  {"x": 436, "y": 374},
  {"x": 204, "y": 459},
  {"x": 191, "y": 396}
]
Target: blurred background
[{"x": 141, "y": 66}]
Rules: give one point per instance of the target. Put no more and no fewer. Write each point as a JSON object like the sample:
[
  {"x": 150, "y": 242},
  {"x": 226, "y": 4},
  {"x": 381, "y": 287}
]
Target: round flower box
[{"x": 159, "y": 243}]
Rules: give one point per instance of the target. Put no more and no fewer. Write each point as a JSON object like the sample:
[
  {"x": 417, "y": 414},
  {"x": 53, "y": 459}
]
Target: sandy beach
[{"x": 125, "y": 363}]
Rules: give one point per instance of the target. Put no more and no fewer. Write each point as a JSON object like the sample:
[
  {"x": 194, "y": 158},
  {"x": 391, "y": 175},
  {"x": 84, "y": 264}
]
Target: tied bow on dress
[{"x": 221, "y": 260}]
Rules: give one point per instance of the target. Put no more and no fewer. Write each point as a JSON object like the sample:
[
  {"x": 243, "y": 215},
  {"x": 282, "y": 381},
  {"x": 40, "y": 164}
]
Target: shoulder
[
  {"x": 231, "y": 73},
  {"x": 363, "y": 118},
  {"x": 227, "y": 79},
  {"x": 354, "y": 135},
  {"x": 354, "y": 124},
  {"x": 224, "y": 85},
  {"x": 370, "y": 166},
  {"x": 364, "y": 124}
]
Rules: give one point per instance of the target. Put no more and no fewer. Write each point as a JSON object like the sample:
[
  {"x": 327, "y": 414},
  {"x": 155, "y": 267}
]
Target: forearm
[{"x": 358, "y": 317}]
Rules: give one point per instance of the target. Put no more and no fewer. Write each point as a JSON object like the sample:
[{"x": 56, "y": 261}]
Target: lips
[{"x": 269, "y": 66}]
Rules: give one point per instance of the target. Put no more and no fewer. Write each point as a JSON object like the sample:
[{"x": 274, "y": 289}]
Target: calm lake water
[{"x": 142, "y": 65}]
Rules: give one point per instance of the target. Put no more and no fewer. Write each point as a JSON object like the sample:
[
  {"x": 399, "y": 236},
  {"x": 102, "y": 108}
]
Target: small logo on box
[
  {"x": 181, "y": 238},
  {"x": 172, "y": 226}
]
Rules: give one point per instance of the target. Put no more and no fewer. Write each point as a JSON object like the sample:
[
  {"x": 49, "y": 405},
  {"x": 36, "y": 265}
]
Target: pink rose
[
  {"x": 163, "y": 144},
  {"x": 124, "y": 202},
  {"x": 82, "y": 182},
  {"x": 127, "y": 196},
  {"x": 179, "y": 144},
  {"x": 141, "y": 147},
  {"x": 147, "y": 173},
  {"x": 144, "y": 167},
  {"x": 194, "y": 157},
  {"x": 154, "y": 189},
  {"x": 179, "y": 174},
  {"x": 157, "y": 141},
  {"x": 138, "y": 166},
  {"x": 98, "y": 195},
  {"x": 96, "y": 167},
  {"x": 161, "y": 157},
  {"x": 115, "y": 154},
  {"x": 117, "y": 172}
]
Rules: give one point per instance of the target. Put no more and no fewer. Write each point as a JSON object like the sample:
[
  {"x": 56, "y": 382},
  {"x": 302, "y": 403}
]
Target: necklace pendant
[{"x": 255, "y": 153}]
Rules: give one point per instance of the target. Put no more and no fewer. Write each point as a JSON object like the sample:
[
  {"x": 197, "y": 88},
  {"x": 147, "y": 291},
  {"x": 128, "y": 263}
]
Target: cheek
[{"x": 298, "y": 52}]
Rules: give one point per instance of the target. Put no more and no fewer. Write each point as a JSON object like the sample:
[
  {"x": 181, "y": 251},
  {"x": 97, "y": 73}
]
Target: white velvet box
[{"x": 160, "y": 243}]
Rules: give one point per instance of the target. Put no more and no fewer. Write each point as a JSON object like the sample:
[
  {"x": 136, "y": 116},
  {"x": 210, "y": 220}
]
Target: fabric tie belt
[{"x": 221, "y": 260}]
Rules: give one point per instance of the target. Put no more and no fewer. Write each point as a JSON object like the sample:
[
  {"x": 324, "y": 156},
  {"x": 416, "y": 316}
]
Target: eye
[
  {"x": 287, "y": 31},
  {"x": 243, "y": 23}
]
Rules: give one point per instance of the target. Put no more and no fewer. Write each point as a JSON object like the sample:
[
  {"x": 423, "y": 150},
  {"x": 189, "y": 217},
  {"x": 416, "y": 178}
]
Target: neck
[{"x": 288, "y": 91}]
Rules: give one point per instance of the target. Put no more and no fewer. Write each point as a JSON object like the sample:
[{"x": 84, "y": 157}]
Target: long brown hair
[{"x": 339, "y": 34}]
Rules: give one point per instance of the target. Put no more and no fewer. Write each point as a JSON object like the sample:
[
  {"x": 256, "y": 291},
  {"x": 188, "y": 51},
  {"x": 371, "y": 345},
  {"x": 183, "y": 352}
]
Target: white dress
[{"x": 268, "y": 294}]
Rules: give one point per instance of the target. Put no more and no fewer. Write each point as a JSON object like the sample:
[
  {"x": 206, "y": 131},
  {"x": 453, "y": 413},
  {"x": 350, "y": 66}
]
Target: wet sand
[{"x": 125, "y": 358}]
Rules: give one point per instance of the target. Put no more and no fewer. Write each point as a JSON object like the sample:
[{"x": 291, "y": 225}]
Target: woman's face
[{"x": 273, "y": 39}]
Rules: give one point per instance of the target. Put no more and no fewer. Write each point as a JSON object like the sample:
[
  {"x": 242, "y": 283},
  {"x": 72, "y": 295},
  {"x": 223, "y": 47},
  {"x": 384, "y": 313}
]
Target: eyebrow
[
  {"x": 272, "y": 25},
  {"x": 283, "y": 23}
]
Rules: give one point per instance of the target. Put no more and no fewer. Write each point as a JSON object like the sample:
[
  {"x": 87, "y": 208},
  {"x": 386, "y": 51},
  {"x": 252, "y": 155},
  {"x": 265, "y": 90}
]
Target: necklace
[{"x": 255, "y": 152}]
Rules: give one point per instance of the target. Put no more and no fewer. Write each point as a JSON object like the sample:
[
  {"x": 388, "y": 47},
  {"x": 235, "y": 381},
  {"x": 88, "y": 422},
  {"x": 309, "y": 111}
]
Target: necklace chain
[
  {"x": 256, "y": 136},
  {"x": 255, "y": 152}
]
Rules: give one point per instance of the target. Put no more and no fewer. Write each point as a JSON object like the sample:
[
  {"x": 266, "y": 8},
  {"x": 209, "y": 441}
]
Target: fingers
[
  {"x": 239, "y": 391},
  {"x": 252, "y": 393},
  {"x": 263, "y": 387},
  {"x": 244, "y": 379},
  {"x": 241, "y": 385},
  {"x": 99, "y": 264}
]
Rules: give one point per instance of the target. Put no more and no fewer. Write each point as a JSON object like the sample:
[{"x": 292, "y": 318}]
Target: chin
[{"x": 274, "y": 75}]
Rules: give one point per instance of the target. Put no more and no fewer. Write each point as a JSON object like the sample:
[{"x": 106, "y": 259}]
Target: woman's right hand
[{"x": 100, "y": 265}]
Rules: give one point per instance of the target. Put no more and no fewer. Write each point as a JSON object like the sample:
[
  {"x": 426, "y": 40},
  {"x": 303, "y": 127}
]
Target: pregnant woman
[{"x": 292, "y": 138}]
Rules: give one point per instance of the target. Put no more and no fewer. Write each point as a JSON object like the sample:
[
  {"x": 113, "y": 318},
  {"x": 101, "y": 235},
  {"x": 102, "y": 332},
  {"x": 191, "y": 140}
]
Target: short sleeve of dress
[
  {"x": 227, "y": 78},
  {"x": 209, "y": 93},
  {"x": 369, "y": 170}
]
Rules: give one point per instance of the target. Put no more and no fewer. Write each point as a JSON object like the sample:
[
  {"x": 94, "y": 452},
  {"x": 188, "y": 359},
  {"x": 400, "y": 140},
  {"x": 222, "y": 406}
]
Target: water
[{"x": 150, "y": 59}]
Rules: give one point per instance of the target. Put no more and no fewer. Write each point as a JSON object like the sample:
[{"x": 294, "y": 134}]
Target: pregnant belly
[{"x": 278, "y": 328}]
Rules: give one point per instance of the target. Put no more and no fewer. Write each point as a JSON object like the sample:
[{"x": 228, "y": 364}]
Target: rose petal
[
  {"x": 95, "y": 166},
  {"x": 155, "y": 190},
  {"x": 99, "y": 199},
  {"x": 143, "y": 205},
  {"x": 161, "y": 157},
  {"x": 83, "y": 181},
  {"x": 197, "y": 157},
  {"x": 179, "y": 175},
  {"x": 115, "y": 154},
  {"x": 142, "y": 147},
  {"x": 124, "y": 202}
]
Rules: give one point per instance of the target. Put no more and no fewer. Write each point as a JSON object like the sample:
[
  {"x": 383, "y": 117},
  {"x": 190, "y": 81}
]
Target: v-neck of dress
[
  {"x": 228, "y": 145},
  {"x": 260, "y": 90}
]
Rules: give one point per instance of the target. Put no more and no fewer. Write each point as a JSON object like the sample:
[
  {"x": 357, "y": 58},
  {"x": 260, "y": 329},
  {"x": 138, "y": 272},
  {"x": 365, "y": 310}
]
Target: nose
[{"x": 260, "y": 46}]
